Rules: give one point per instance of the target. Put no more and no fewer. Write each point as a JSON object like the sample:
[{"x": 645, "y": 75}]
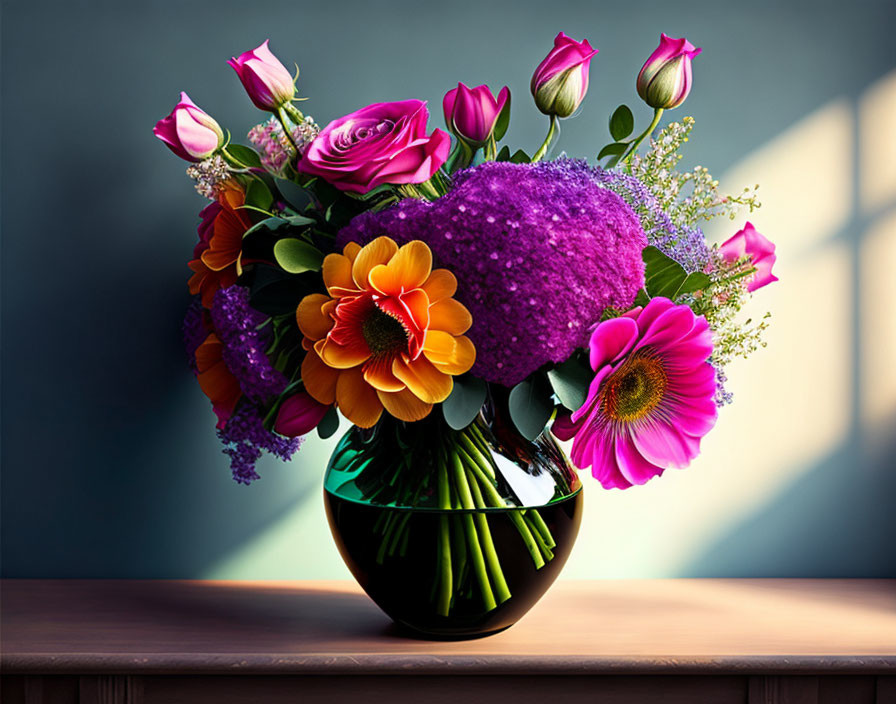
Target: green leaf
[
  {"x": 299, "y": 220},
  {"x": 465, "y": 401},
  {"x": 270, "y": 224},
  {"x": 695, "y": 282},
  {"x": 571, "y": 379},
  {"x": 296, "y": 256},
  {"x": 329, "y": 424},
  {"x": 520, "y": 157},
  {"x": 247, "y": 156},
  {"x": 373, "y": 193},
  {"x": 614, "y": 149},
  {"x": 503, "y": 154},
  {"x": 622, "y": 122},
  {"x": 293, "y": 194},
  {"x": 258, "y": 196},
  {"x": 663, "y": 276},
  {"x": 503, "y": 120},
  {"x": 642, "y": 299},
  {"x": 531, "y": 406}
]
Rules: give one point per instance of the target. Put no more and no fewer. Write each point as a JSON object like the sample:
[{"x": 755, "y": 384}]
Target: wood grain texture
[{"x": 745, "y": 627}]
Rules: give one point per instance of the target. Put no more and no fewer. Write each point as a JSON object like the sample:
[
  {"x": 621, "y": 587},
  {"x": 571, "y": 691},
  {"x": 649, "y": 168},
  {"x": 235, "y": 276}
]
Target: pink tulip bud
[
  {"x": 299, "y": 415},
  {"x": 665, "y": 79},
  {"x": 560, "y": 82},
  {"x": 471, "y": 114},
  {"x": 189, "y": 131},
  {"x": 265, "y": 79},
  {"x": 749, "y": 242}
]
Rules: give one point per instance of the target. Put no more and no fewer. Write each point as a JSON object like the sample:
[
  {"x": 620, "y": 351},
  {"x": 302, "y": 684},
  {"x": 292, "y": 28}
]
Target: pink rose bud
[
  {"x": 560, "y": 82},
  {"x": 749, "y": 242},
  {"x": 189, "y": 131},
  {"x": 299, "y": 415},
  {"x": 471, "y": 114},
  {"x": 665, "y": 79},
  {"x": 382, "y": 143},
  {"x": 265, "y": 79}
]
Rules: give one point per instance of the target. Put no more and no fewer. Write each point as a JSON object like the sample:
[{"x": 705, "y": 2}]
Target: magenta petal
[
  {"x": 604, "y": 466},
  {"x": 612, "y": 339},
  {"x": 564, "y": 427},
  {"x": 662, "y": 445},
  {"x": 668, "y": 328},
  {"x": 650, "y": 312},
  {"x": 632, "y": 464}
]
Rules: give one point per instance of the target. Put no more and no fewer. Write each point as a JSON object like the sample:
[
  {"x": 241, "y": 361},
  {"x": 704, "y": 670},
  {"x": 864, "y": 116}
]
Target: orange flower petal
[
  {"x": 220, "y": 386},
  {"x": 440, "y": 284},
  {"x": 404, "y": 405},
  {"x": 454, "y": 357},
  {"x": 208, "y": 353},
  {"x": 357, "y": 399},
  {"x": 380, "y": 251},
  {"x": 337, "y": 273},
  {"x": 423, "y": 378},
  {"x": 351, "y": 251},
  {"x": 311, "y": 319},
  {"x": 341, "y": 356},
  {"x": 319, "y": 379},
  {"x": 378, "y": 373},
  {"x": 407, "y": 270},
  {"x": 451, "y": 316}
]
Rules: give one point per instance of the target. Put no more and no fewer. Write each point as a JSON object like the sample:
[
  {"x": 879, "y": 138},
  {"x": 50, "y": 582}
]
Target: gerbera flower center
[
  {"x": 383, "y": 333},
  {"x": 636, "y": 388}
]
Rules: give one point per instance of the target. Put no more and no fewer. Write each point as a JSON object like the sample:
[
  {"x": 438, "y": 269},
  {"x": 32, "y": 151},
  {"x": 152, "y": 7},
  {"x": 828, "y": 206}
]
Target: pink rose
[
  {"x": 471, "y": 114},
  {"x": 382, "y": 143},
  {"x": 299, "y": 415},
  {"x": 189, "y": 131},
  {"x": 665, "y": 79},
  {"x": 560, "y": 82},
  {"x": 265, "y": 79},
  {"x": 749, "y": 242}
]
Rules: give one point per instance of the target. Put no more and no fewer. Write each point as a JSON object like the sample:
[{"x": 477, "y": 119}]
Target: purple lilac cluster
[
  {"x": 194, "y": 330},
  {"x": 539, "y": 252},
  {"x": 236, "y": 323},
  {"x": 686, "y": 245},
  {"x": 245, "y": 436},
  {"x": 274, "y": 148}
]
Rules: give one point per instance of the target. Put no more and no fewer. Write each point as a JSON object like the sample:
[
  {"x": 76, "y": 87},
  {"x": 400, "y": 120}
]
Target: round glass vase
[{"x": 454, "y": 534}]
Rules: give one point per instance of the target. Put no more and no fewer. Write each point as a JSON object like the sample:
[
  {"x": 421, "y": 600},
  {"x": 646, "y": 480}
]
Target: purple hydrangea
[
  {"x": 686, "y": 245},
  {"x": 539, "y": 252},
  {"x": 236, "y": 323},
  {"x": 245, "y": 436}
]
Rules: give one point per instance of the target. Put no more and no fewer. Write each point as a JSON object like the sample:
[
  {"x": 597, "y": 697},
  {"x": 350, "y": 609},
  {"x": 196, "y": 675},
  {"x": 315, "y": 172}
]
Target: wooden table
[{"x": 694, "y": 641}]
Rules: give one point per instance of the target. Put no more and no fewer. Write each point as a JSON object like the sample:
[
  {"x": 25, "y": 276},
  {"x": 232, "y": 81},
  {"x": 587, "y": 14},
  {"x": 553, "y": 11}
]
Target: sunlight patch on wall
[{"x": 877, "y": 144}]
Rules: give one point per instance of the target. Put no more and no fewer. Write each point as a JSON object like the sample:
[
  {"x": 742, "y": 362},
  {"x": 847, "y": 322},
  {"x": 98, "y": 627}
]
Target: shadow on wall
[{"x": 823, "y": 420}]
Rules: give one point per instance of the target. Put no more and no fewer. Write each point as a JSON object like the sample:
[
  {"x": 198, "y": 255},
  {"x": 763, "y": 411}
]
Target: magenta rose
[
  {"x": 189, "y": 131},
  {"x": 472, "y": 113},
  {"x": 749, "y": 242},
  {"x": 265, "y": 79},
  {"x": 382, "y": 143},
  {"x": 665, "y": 78},
  {"x": 299, "y": 415},
  {"x": 560, "y": 81}
]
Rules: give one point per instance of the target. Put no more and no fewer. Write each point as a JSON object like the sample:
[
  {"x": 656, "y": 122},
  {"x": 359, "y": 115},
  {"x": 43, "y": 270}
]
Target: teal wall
[{"x": 110, "y": 465}]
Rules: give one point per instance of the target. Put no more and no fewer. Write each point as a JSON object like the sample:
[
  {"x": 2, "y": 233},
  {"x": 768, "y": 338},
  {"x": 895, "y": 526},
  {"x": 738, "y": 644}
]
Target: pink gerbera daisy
[{"x": 651, "y": 399}]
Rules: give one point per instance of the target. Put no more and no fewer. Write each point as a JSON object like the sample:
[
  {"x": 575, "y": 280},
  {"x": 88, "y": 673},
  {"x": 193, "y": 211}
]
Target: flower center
[
  {"x": 636, "y": 388},
  {"x": 383, "y": 333}
]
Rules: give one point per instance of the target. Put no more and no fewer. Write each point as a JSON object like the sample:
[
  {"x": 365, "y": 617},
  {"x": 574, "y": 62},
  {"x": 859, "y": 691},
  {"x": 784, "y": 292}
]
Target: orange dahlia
[
  {"x": 218, "y": 254},
  {"x": 388, "y": 336}
]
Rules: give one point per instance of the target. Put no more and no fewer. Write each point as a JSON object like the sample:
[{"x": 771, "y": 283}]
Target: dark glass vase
[{"x": 454, "y": 534}]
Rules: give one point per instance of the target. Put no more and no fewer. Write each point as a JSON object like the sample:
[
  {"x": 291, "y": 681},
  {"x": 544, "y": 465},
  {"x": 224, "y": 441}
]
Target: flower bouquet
[{"x": 463, "y": 304}]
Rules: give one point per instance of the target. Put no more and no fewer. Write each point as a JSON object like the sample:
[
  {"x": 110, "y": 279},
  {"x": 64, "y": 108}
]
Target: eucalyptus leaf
[
  {"x": 296, "y": 256},
  {"x": 465, "y": 401},
  {"x": 503, "y": 154},
  {"x": 622, "y": 122},
  {"x": 531, "y": 406},
  {"x": 614, "y": 149},
  {"x": 299, "y": 220},
  {"x": 270, "y": 224},
  {"x": 247, "y": 156},
  {"x": 258, "y": 196},
  {"x": 329, "y": 424},
  {"x": 293, "y": 194},
  {"x": 503, "y": 120},
  {"x": 520, "y": 157},
  {"x": 570, "y": 380}
]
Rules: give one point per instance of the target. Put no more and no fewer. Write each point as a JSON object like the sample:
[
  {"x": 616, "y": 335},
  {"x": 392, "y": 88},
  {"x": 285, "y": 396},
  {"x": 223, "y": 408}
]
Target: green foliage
[
  {"x": 503, "y": 121},
  {"x": 258, "y": 196},
  {"x": 329, "y": 424},
  {"x": 570, "y": 380},
  {"x": 622, "y": 123},
  {"x": 663, "y": 276},
  {"x": 465, "y": 401},
  {"x": 246, "y": 156},
  {"x": 531, "y": 406},
  {"x": 296, "y": 256}
]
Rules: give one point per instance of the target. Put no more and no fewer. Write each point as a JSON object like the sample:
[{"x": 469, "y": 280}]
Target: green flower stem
[
  {"x": 657, "y": 114},
  {"x": 539, "y": 540},
  {"x": 445, "y": 573},
  {"x": 502, "y": 592},
  {"x": 284, "y": 121},
  {"x": 477, "y": 455},
  {"x": 494, "y": 498},
  {"x": 538, "y": 522},
  {"x": 543, "y": 149},
  {"x": 475, "y": 548},
  {"x": 294, "y": 113}
]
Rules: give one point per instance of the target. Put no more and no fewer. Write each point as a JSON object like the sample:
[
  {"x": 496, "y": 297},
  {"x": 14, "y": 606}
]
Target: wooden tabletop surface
[{"x": 677, "y": 626}]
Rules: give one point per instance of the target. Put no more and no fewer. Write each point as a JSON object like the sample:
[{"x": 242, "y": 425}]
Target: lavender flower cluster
[
  {"x": 244, "y": 438},
  {"x": 539, "y": 252},
  {"x": 236, "y": 324},
  {"x": 275, "y": 148}
]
